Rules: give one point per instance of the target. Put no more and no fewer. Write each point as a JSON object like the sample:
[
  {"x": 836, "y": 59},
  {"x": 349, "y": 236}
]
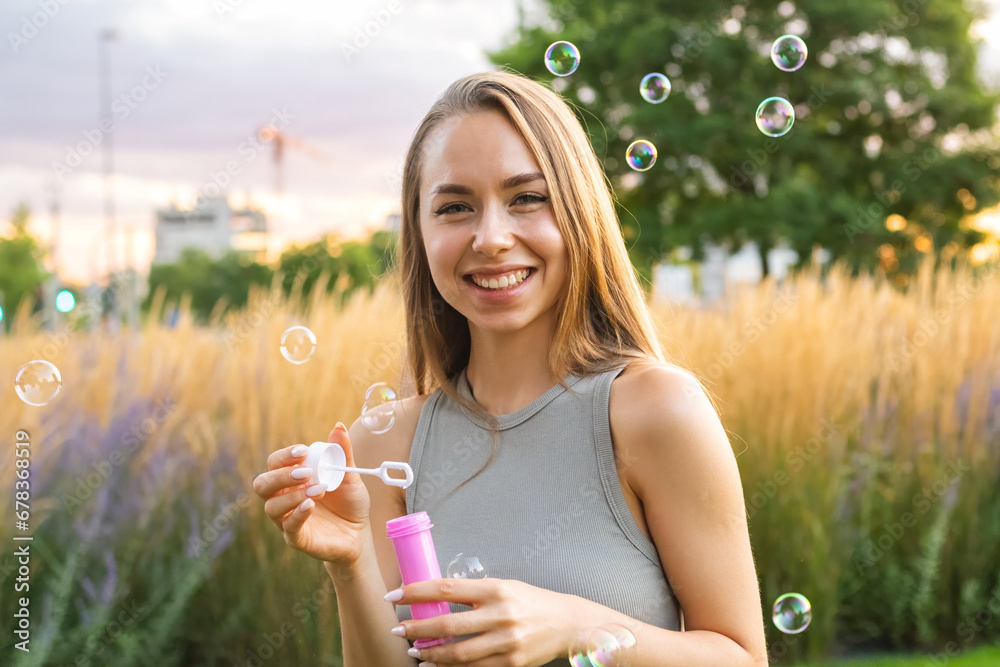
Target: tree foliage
[
  {"x": 207, "y": 280},
  {"x": 890, "y": 119},
  {"x": 350, "y": 265},
  {"x": 21, "y": 264}
]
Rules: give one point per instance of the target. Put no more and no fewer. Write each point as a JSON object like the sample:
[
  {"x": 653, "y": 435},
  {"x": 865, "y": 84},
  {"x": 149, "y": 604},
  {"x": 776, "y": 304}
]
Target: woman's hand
[
  {"x": 519, "y": 625},
  {"x": 328, "y": 526}
]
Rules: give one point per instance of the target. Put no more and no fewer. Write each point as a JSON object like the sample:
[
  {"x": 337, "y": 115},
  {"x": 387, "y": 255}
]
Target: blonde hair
[{"x": 603, "y": 318}]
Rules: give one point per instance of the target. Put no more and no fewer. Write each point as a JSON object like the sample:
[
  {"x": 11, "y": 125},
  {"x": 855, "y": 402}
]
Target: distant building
[
  {"x": 682, "y": 281},
  {"x": 393, "y": 222},
  {"x": 211, "y": 226}
]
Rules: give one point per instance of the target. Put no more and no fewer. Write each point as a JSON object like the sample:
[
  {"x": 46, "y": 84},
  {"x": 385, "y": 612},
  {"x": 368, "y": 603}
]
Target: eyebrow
[{"x": 512, "y": 182}]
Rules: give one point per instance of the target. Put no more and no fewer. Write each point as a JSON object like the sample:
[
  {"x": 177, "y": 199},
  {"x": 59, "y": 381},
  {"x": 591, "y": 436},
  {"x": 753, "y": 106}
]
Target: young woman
[{"x": 549, "y": 438}]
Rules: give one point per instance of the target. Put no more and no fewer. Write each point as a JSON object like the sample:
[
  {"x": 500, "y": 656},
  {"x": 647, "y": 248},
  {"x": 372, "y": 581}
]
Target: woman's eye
[
  {"x": 531, "y": 199},
  {"x": 521, "y": 200},
  {"x": 450, "y": 208}
]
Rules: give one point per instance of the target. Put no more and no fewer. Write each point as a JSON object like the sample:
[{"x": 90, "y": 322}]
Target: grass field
[
  {"x": 984, "y": 657},
  {"x": 866, "y": 423}
]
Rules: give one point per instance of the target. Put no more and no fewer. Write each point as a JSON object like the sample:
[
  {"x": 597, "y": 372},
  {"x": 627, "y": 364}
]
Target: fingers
[
  {"x": 284, "y": 487},
  {"x": 483, "y": 651},
  {"x": 280, "y": 471},
  {"x": 278, "y": 505},
  {"x": 287, "y": 456},
  {"x": 487, "y": 648},
  {"x": 342, "y": 437},
  {"x": 270, "y": 484},
  {"x": 461, "y": 591},
  {"x": 292, "y": 524}
]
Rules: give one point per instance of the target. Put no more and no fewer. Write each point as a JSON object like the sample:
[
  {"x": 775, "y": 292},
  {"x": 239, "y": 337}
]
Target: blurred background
[{"x": 181, "y": 182}]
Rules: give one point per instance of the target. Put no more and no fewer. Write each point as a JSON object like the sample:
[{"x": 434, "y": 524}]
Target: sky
[
  {"x": 192, "y": 81},
  {"x": 198, "y": 78}
]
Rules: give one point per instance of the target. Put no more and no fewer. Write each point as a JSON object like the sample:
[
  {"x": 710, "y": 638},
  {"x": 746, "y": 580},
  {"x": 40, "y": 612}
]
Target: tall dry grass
[{"x": 845, "y": 399}]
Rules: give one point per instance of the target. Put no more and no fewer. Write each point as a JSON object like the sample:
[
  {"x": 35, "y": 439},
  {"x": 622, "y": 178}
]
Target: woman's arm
[
  {"x": 335, "y": 528},
  {"x": 677, "y": 458},
  {"x": 365, "y": 617}
]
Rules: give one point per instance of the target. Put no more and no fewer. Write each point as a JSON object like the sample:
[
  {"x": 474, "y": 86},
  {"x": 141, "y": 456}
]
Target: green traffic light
[{"x": 65, "y": 301}]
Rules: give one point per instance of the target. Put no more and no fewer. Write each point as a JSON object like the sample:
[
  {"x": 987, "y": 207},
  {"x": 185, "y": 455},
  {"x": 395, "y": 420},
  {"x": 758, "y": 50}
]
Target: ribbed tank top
[{"x": 548, "y": 510}]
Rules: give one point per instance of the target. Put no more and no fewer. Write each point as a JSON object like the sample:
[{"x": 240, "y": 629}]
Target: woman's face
[{"x": 485, "y": 214}]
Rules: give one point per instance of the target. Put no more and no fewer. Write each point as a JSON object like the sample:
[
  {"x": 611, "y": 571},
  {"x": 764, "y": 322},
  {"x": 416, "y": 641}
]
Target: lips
[
  {"x": 500, "y": 292},
  {"x": 498, "y": 271}
]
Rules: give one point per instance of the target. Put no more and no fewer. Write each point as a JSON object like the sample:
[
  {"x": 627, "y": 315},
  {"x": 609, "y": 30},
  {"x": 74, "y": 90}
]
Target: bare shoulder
[
  {"x": 648, "y": 387},
  {"x": 655, "y": 405},
  {"x": 371, "y": 449}
]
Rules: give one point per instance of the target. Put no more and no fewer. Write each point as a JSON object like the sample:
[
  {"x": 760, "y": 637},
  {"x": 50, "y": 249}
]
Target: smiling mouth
[{"x": 530, "y": 271}]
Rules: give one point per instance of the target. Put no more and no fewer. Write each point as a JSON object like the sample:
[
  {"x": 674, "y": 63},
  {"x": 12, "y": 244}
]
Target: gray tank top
[{"x": 548, "y": 510}]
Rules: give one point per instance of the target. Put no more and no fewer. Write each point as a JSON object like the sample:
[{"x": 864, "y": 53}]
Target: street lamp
[{"x": 107, "y": 153}]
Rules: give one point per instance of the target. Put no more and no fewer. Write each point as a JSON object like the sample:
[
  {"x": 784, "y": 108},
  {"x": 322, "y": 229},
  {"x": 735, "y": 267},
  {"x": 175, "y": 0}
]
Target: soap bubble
[
  {"x": 654, "y": 87},
  {"x": 607, "y": 646},
  {"x": 298, "y": 345},
  {"x": 775, "y": 116},
  {"x": 466, "y": 567},
  {"x": 641, "y": 155},
  {"x": 378, "y": 414},
  {"x": 623, "y": 636},
  {"x": 788, "y": 53},
  {"x": 37, "y": 382},
  {"x": 562, "y": 58},
  {"x": 792, "y": 613}
]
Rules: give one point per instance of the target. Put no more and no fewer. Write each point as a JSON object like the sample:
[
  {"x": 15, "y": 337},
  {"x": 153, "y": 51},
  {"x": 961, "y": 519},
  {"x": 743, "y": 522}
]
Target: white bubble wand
[{"x": 329, "y": 465}]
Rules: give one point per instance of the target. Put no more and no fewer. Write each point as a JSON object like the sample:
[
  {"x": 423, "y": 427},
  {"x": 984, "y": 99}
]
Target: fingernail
[
  {"x": 302, "y": 473},
  {"x": 306, "y": 504},
  {"x": 315, "y": 490},
  {"x": 427, "y": 664},
  {"x": 399, "y": 631},
  {"x": 413, "y": 653},
  {"x": 394, "y": 596},
  {"x": 341, "y": 426},
  {"x": 299, "y": 450}
]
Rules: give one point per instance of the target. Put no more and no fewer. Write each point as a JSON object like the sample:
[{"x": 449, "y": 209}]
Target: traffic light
[{"x": 65, "y": 301}]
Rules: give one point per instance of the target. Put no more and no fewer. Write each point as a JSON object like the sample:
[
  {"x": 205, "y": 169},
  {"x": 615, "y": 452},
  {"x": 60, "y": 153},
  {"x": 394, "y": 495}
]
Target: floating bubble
[
  {"x": 775, "y": 116},
  {"x": 298, "y": 345},
  {"x": 603, "y": 647},
  {"x": 466, "y": 567},
  {"x": 37, "y": 382},
  {"x": 788, "y": 53},
  {"x": 654, "y": 87},
  {"x": 378, "y": 414},
  {"x": 623, "y": 636},
  {"x": 562, "y": 58},
  {"x": 641, "y": 155},
  {"x": 791, "y": 613}
]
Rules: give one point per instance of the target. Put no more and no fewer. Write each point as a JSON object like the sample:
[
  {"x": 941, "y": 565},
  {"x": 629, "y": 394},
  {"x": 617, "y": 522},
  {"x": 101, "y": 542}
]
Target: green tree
[
  {"x": 352, "y": 264},
  {"x": 208, "y": 280},
  {"x": 21, "y": 270},
  {"x": 890, "y": 119}
]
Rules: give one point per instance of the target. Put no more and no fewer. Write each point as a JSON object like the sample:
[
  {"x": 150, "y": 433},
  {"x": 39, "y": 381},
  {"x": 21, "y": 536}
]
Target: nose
[{"x": 493, "y": 231}]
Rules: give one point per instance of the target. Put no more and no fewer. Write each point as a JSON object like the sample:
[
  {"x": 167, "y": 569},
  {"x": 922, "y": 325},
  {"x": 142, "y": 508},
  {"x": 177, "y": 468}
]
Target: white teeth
[{"x": 504, "y": 281}]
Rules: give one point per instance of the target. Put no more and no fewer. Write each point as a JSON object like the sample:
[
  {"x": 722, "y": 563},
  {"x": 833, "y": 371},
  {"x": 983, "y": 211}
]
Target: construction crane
[{"x": 280, "y": 140}]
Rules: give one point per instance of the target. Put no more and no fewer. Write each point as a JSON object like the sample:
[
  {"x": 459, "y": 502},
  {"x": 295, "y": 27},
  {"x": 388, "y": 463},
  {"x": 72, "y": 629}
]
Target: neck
[{"x": 509, "y": 369}]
